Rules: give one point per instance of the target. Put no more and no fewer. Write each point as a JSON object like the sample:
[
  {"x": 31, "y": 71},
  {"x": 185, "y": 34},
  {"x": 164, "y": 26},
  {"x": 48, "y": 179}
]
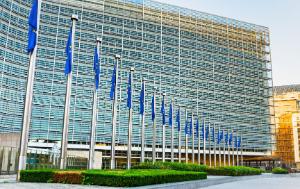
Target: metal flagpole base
[
  {"x": 154, "y": 142},
  {"x": 22, "y": 165},
  {"x": 164, "y": 143},
  {"x": 62, "y": 163},
  {"x": 179, "y": 147},
  {"x": 186, "y": 149},
  {"x": 22, "y": 162}
]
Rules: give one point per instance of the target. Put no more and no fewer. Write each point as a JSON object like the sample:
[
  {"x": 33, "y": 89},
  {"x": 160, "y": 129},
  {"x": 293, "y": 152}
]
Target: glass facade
[{"x": 207, "y": 63}]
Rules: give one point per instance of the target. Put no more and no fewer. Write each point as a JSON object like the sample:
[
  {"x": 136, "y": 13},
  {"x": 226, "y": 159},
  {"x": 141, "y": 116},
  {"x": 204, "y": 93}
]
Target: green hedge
[
  {"x": 233, "y": 171},
  {"x": 117, "y": 178},
  {"x": 36, "y": 175},
  {"x": 279, "y": 170},
  {"x": 144, "y": 177},
  {"x": 171, "y": 166},
  {"x": 225, "y": 171}
]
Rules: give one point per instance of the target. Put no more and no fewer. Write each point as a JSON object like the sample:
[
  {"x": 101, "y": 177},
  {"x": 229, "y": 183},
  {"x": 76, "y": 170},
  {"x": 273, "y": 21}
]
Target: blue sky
[{"x": 281, "y": 16}]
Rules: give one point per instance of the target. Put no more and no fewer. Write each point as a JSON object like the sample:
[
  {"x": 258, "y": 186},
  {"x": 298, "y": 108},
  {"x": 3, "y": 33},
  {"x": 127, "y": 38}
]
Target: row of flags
[{"x": 209, "y": 133}]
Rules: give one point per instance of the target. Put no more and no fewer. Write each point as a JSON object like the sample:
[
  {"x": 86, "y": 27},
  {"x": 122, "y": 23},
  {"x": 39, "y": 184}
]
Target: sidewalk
[
  {"x": 291, "y": 181},
  {"x": 7, "y": 179},
  {"x": 211, "y": 181}
]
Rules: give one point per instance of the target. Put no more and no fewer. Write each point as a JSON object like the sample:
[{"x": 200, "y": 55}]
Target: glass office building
[{"x": 210, "y": 65}]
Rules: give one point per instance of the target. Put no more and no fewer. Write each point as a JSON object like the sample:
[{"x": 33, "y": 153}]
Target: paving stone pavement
[{"x": 275, "y": 182}]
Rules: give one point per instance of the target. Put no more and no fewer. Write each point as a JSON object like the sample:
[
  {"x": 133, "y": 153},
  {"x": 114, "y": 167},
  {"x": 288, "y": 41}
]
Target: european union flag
[
  {"x": 163, "y": 112},
  {"x": 178, "y": 119},
  {"x": 96, "y": 68},
  {"x": 207, "y": 132},
  {"x": 230, "y": 139},
  {"x": 113, "y": 83},
  {"x": 226, "y": 137},
  {"x": 129, "y": 95},
  {"x": 32, "y": 22},
  {"x": 235, "y": 142},
  {"x": 203, "y": 126},
  {"x": 153, "y": 108},
  {"x": 222, "y": 135},
  {"x": 186, "y": 128},
  {"x": 219, "y": 137},
  {"x": 213, "y": 134},
  {"x": 197, "y": 127},
  {"x": 239, "y": 142},
  {"x": 191, "y": 127},
  {"x": 171, "y": 115},
  {"x": 68, "y": 66},
  {"x": 142, "y": 98}
]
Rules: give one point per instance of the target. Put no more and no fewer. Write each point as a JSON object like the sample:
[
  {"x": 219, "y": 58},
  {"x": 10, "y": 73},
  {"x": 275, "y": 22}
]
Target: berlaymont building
[{"x": 216, "y": 68}]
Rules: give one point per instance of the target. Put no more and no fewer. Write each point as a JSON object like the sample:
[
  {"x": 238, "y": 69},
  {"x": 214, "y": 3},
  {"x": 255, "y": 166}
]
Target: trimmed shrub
[
  {"x": 70, "y": 177},
  {"x": 36, "y": 176},
  {"x": 144, "y": 177},
  {"x": 117, "y": 178},
  {"x": 279, "y": 170},
  {"x": 233, "y": 171},
  {"x": 171, "y": 166}
]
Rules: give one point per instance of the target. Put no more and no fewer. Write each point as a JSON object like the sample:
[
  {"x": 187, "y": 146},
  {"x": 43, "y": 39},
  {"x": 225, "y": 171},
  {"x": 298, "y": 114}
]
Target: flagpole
[
  {"x": 209, "y": 143},
  {"x": 237, "y": 157},
  {"x": 154, "y": 130},
  {"x": 228, "y": 150},
  {"x": 186, "y": 139},
  {"x": 179, "y": 139},
  {"x": 237, "y": 153},
  {"x": 114, "y": 117},
  {"x": 233, "y": 149},
  {"x": 143, "y": 127},
  {"x": 242, "y": 158},
  {"x": 215, "y": 155},
  {"x": 28, "y": 100},
  {"x": 199, "y": 158},
  {"x": 164, "y": 136},
  {"x": 172, "y": 134},
  {"x": 220, "y": 156},
  {"x": 94, "y": 120},
  {"x": 204, "y": 142},
  {"x": 130, "y": 122},
  {"x": 64, "y": 142},
  {"x": 224, "y": 151},
  {"x": 193, "y": 139}
]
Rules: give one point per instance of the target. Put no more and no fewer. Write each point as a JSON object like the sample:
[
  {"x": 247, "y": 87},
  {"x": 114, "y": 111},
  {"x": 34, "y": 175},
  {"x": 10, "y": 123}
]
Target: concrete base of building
[{"x": 10, "y": 139}]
